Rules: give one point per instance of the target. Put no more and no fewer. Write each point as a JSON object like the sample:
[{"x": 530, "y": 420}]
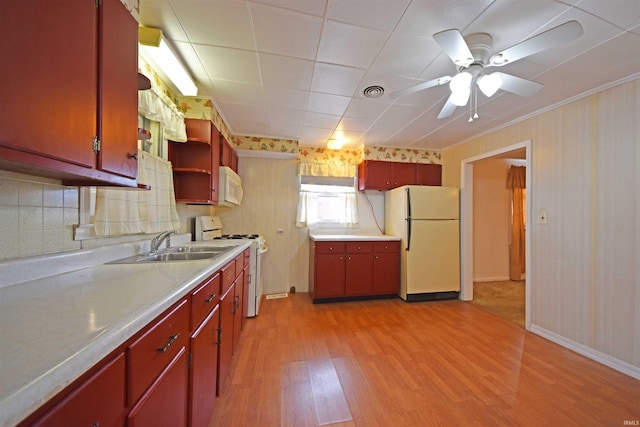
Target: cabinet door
[
  {"x": 225, "y": 351},
  {"x": 386, "y": 273},
  {"x": 165, "y": 402},
  {"x": 118, "y": 114},
  {"x": 49, "y": 79},
  {"x": 402, "y": 174},
  {"x": 330, "y": 279},
  {"x": 428, "y": 174},
  {"x": 203, "y": 376},
  {"x": 358, "y": 275},
  {"x": 374, "y": 175},
  {"x": 237, "y": 310},
  {"x": 97, "y": 401}
]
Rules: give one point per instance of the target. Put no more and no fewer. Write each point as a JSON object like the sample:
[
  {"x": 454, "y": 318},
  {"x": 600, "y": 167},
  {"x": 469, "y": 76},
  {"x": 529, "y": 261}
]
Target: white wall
[{"x": 585, "y": 278}]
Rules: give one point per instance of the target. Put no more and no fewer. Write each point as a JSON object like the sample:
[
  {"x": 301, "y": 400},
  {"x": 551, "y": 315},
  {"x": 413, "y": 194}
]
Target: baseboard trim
[
  {"x": 492, "y": 279},
  {"x": 591, "y": 353}
]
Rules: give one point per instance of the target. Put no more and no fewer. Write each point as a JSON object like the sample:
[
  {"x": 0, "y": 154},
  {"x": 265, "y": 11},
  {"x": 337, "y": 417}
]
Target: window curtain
[
  {"x": 155, "y": 106},
  {"x": 516, "y": 179},
  {"x": 338, "y": 170},
  {"x": 127, "y": 211},
  {"x": 345, "y": 204}
]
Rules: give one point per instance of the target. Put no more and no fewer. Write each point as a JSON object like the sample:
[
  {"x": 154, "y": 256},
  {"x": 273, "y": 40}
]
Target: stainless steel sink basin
[
  {"x": 167, "y": 257},
  {"x": 197, "y": 249}
]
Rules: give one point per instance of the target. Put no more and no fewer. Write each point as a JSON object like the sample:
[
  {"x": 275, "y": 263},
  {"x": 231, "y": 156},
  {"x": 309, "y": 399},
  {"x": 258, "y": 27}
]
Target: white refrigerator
[{"x": 427, "y": 219}]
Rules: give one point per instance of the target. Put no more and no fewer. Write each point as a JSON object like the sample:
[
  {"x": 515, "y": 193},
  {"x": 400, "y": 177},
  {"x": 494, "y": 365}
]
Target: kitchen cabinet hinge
[
  {"x": 96, "y": 144},
  {"x": 98, "y": 3}
]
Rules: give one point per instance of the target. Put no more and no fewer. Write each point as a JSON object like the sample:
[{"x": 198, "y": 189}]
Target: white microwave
[{"x": 229, "y": 187}]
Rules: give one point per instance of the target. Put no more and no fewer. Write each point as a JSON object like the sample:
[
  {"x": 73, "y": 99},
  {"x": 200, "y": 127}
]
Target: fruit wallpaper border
[{"x": 203, "y": 108}]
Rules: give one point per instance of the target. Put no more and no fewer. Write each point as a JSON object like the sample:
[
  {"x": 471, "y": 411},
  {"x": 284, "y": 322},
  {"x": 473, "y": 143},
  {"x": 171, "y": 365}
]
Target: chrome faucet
[{"x": 157, "y": 241}]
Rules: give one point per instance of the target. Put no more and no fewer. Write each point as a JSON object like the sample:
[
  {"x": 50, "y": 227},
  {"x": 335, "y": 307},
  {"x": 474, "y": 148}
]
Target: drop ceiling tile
[
  {"x": 424, "y": 18},
  {"x": 319, "y": 120},
  {"x": 406, "y": 55},
  {"x": 376, "y": 14},
  {"x": 236, "y": 114},
  {"x": 327, "y": 104},
  {"x": 237, "y": 92},
  {"x": 160, "y": 14},
  {"x": 352, "y": 124},
  {"x": 229, "y": 64},
  {"x": 283, "y": 97},
  {"x": 285, "y": 130},
  {"x": 283, "y": 71},
  {"x": 314, "y": 136},
  {"x": 366, "y": 108},
  {"x": 191, "y": 61},
  {"x": 624, "y": 14},
  {"x": 399, "y": 114},
  {"x": 224, "y": 23},
  {"x": 285, "y": 116},
  {"x": 336, "y": 79},
  {"x": 311, "y": 7},
  {"x": 349, "y": 45},
  {"x": 285, "y": 32}
]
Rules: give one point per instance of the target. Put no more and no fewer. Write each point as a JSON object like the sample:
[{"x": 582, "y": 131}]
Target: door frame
[{"x": 466, "y": 222}]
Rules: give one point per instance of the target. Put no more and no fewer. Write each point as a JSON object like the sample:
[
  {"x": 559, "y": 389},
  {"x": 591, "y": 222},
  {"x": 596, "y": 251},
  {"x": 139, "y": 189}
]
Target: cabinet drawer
[
  {"x": 330, "y": 247},
  {"x": 390, "y": 246},
  {"x": 150, "y": 354},
  {"x": 359, "y": 247},
  {"x": 99, "y": 400},
  {"x": 204, "y": 299},
  {"x": 247, "y": 256},
  {"x": 239, "y": 264},
  {"x": 228, "y": 276}
]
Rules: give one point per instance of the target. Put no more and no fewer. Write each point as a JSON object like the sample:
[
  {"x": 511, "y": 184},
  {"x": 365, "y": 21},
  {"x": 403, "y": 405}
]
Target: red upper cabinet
[
  {"x": 382, "y": 175},
  {"x": 428, "y": 174},
  {"x": 118, "y": 108},
  {"x": 196, "y": 163},
  {"x": 72, "y": 78},
  {"x": 228, "y": 156}
]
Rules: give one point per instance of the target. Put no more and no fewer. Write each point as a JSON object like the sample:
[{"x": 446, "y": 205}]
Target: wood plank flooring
[{"x": 389, "y": 363}]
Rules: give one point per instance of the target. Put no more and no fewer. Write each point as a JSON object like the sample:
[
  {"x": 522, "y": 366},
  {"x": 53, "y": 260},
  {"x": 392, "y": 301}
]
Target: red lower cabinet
[
  {"x": 225, "y": 352},
  {"x": 97, "y": 401},
  {"x": 203, "y": 375},
  {"x": 165, "y": 403}
]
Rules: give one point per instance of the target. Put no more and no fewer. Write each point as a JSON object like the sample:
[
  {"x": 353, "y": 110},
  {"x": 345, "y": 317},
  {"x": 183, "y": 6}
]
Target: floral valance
[{"x": 327, "y": 169}]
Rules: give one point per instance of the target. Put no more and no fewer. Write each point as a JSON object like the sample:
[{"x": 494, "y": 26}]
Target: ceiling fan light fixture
[
  {"x": 490, "y": 83},
  {"x": 461, "y": 82},
  {"x": 460, "y": 97}
]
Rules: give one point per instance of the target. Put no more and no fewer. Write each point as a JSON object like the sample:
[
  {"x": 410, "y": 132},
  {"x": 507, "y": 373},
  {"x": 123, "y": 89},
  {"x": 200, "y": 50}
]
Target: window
[{"x": 327, "y": 202}]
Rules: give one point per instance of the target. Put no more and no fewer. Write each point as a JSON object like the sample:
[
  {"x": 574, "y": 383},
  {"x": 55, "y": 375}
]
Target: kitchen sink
[
  {"x": 198, "y": 249},
  {"x": 179, "y": 253}
]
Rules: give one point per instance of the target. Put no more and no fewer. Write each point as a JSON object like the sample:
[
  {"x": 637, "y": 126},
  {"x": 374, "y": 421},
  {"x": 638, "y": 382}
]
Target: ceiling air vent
[{"x": 373, "y": 91}]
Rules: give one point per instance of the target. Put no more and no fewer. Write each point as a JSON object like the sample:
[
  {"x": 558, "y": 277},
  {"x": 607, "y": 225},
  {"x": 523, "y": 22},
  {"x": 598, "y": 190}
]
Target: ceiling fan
[{"x": 472, "y": 57}]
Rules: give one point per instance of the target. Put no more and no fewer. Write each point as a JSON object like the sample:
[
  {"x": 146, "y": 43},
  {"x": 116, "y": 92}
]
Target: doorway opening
[{"x": 520, "y": 151}]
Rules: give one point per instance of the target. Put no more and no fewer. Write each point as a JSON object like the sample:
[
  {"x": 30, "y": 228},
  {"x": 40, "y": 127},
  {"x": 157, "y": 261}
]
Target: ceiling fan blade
[
  {"x": 420, "y": 86},
  {"x": 453, "y": 44},
  {"x": 448, "y": 108},
  {"x": 518, "y": 85},
  {"x": 563, "y": 33}
]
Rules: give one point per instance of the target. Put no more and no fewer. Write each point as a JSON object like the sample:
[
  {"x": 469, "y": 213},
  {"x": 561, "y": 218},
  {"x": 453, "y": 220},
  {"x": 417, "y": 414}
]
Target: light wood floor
[{"x": 389, "y": 363}]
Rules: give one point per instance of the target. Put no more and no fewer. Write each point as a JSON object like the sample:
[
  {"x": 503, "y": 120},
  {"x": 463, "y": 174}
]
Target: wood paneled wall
[{"x": 585, "y": 279}]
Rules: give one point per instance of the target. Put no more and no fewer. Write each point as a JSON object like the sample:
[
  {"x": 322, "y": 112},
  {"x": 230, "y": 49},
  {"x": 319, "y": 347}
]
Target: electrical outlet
[{"x": 542, "y": 216}]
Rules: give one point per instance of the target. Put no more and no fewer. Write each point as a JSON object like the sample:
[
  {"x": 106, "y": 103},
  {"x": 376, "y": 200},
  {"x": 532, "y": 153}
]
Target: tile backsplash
[{"x": 36, "y": 215}]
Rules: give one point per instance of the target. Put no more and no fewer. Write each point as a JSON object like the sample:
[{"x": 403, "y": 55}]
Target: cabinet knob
[
  {"x": 330, "y": 248},
  {"x": 133, "y": 156},
  {"x": 386, "y": 247},
  {"x": 349, "y": 258},
  {"x": 358, "y": 247},
  {"x": 340, "y": 258}
]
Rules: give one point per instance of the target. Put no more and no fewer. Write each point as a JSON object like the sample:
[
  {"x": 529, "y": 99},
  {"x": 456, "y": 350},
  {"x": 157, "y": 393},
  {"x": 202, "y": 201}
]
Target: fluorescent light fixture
[
  {"x": 155, "y": 47},
  {"x": 335, "y": 144},
  {"x": 490, "y": 83}
]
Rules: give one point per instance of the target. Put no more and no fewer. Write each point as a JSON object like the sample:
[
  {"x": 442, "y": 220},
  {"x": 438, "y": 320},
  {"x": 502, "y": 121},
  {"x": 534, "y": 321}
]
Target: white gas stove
[{"x": 209, "y": 228}]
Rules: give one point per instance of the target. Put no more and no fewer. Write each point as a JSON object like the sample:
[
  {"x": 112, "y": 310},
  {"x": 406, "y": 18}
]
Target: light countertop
[
  {"x": 352, "y": 237},
  {"x": 54, "y": 328}
]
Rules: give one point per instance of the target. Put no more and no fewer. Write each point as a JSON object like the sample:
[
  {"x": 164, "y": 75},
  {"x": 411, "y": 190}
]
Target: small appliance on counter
[{"x": 209, "y": 229}]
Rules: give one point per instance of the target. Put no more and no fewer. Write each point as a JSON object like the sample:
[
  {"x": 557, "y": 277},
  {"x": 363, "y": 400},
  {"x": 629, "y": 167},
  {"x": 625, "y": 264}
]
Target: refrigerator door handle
[{"x": 408, "y": 219}]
